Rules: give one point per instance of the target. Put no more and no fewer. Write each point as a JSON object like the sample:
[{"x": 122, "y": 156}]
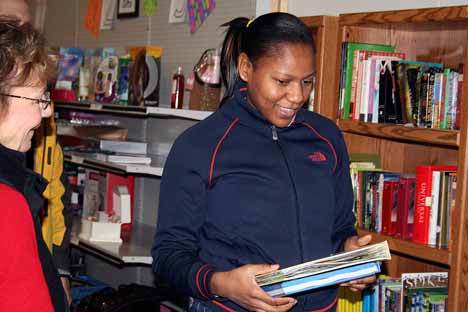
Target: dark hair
[
  {"x": 261, "y": 37},
  {"x": 24, "y": 58}
]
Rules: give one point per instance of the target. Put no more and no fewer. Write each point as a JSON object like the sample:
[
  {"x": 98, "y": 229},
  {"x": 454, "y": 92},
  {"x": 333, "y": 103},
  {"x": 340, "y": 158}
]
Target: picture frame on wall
[{"x": 128, "y": 8}]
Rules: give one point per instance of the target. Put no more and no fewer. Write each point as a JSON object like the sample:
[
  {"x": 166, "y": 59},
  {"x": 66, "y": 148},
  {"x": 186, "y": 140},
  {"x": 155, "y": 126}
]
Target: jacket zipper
[{"x": 274, "y": 135}]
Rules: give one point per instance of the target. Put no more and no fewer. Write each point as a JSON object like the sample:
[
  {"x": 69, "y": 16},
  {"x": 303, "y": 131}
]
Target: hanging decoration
[
  {"x": 198, "y": 11},
  {"x": 177, "y": 11},
  {"x": 149, "y": 7},
  {"x": 93, "y": 17},
  {"x": 107, "y": 14}
]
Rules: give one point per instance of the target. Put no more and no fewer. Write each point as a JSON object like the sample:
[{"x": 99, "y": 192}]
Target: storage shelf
[
  {"x": 432, "y": 254},
  {"x": 135, "y": 250},
  {"x": 401, "y": 132},
  {"x": 102, "y": 107},
  {"x": 179, "y": 113},
  {"x": 155, "y": 169},
  {"x": 134, "y": 111}
]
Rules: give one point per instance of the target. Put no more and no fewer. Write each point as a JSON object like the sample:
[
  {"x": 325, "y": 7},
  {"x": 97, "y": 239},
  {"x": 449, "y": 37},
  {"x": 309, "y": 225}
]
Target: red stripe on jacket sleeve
[{"x": 218, "y": 146}]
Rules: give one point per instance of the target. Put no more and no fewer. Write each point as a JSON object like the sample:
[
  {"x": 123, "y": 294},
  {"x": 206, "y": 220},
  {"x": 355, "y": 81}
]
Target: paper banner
[
  {"x": 198, "y": 11},
  {"x": 177, "y": 11},
  {"x": 149, "y": 7},
  {"x": 93, "y": 17},
  {"x": 107, "y": 14}
]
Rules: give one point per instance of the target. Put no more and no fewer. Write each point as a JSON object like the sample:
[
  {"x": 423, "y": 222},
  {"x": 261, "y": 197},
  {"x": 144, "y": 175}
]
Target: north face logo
[{"x": 317, "y": 156}]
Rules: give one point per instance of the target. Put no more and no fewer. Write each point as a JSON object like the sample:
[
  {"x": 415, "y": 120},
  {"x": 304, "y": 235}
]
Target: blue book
[{"x": 322, "y": 279}]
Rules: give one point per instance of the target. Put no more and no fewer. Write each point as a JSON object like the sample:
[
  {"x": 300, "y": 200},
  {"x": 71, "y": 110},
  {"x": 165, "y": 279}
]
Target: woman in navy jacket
[{"x": 261, "y": 183}]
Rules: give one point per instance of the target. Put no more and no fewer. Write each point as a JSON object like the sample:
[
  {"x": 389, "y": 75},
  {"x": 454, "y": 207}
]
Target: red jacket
[{"x": 22, "y": 283}]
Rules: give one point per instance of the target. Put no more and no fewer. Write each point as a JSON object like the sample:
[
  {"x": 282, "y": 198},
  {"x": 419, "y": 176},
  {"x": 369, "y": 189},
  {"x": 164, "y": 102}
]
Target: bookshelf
[
  {"x": 435, "y": 35},
  {"x": 325, "y": 30}
]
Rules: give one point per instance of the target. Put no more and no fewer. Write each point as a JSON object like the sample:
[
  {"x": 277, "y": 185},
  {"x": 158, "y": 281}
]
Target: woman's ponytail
[{"x": 232, "y": 47}]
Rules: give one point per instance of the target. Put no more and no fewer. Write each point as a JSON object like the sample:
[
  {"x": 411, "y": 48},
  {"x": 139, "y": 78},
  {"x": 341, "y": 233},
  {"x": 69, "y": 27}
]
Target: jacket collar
[
  {"x": 239, "y": 106},
  {"x": 14, "y": 173}
]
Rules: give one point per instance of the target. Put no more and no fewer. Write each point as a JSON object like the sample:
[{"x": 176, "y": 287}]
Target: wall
[
  {"x": 335, "y": 7},
  {"x": 65, "y": 19}
]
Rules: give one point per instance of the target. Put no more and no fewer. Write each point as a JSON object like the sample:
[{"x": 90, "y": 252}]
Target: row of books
[
  {"x": 413, "y": 292},
  {"x": 417, "y": 207},
  {"x": 378, "y": 85}
]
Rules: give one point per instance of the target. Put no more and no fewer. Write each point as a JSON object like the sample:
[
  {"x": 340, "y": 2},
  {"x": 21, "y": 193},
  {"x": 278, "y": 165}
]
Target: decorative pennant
[
  {"x": 198, "y": 11},
  {"x": 107, "y": 14},
  {"x": 149, "y": 7},
  {"x": 93, "y": 17},
  {"x": 177, "y": 11}
]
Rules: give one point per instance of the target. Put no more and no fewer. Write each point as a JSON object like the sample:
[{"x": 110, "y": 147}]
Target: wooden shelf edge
[
  {"x": 431, "y": 254},
  {"x": 437, "y": 14},
  {"x": 401, "y": 132}
]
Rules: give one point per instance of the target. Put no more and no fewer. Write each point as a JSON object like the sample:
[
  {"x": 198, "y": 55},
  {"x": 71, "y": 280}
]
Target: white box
[
  {"x": 94, "y": 231},
  {"x": 121, "y": 203}
]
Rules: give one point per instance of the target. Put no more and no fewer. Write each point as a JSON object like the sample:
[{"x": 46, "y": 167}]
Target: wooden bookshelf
[
  {"x": 439, "y": 256},
  {"x": 403, "y": 133},
  {"x": 435, "y": 35},
  {"x": 324, "y": 30}
]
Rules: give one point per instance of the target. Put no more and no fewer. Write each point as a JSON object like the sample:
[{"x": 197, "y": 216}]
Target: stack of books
[{"x": 336, "y": 269}]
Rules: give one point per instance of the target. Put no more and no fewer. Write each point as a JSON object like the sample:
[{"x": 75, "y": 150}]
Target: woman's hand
[
  {"x": 354, "y": 242},
  {"x": 239, "y": 285}
]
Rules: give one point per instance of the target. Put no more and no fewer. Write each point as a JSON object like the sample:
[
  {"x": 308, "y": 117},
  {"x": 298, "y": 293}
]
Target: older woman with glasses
[{"x": 29, "y": 280}]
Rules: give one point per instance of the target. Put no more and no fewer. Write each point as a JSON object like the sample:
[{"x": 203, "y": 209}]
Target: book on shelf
[
  {"x": 406, "y": 193},
  {"x": 124, "y": 158},
  {"x": 130, "y": 147},
  {"x": 423, "y": 202},
  {"x": 425, "y": 291},
  {"x": 348, "y": 60},
  {"x": 332, "y": 270}
]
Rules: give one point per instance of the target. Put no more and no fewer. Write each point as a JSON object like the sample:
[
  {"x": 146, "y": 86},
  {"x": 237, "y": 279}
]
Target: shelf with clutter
[
  {"x": 128, "y": 110},
  {"x": 133, "y": 250}
]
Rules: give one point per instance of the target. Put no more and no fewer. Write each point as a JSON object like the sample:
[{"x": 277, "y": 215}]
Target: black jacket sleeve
[{"x": 180, "y": 218}]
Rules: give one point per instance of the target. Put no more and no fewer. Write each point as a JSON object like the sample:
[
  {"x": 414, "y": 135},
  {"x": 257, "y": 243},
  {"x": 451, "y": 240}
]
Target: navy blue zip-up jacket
[{"x": 237, "y": 190}]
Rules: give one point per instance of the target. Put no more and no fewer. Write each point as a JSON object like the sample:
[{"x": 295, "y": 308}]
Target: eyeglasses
[{"x": 43, "y": 102}]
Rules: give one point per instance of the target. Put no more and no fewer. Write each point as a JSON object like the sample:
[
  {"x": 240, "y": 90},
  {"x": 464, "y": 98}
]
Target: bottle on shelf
[{"x": 177, "y": 94}]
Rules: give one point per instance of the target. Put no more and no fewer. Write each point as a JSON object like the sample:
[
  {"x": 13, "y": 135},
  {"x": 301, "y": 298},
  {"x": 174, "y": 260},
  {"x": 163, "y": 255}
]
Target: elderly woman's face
[{"x": 22, "y": 117}]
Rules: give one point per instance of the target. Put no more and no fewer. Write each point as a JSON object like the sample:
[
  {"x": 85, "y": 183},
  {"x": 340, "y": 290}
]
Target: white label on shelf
[
  {"x": 96, "y": 106},
  {"x": 77, "y": 159}
]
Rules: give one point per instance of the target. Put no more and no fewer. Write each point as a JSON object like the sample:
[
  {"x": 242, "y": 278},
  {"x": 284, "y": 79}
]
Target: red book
[
  {"x": 393, "y": 207},
  {"x": 422, "y": 209},
  {"x": 406, "y": 192},
  {"x": 387, "y": 206}
]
